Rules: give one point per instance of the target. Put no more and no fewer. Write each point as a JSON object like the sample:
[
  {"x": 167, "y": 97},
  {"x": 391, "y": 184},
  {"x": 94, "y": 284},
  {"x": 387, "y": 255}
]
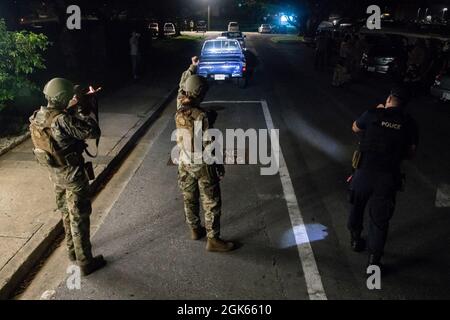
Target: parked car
[
  {"x": 236, "y": 35},
  {"x": 154, "y": 28},
  {"x": 441, "y": 86},
  {"x": 222, "y": 59},
  {"x": 233, "y": 27},
  {"x": 202, "y": 26},
  {"x": 169, "y": 28},
  {"x": 265, "y": 28},
  {"x": 386, "y": 55}
]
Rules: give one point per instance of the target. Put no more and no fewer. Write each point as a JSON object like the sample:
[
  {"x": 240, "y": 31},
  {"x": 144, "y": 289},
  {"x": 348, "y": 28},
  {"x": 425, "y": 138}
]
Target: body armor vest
[
  {"x": 384, "y": 143},
  {"x": 185, "y": 120},
  {"x": 46, "y": 149}
]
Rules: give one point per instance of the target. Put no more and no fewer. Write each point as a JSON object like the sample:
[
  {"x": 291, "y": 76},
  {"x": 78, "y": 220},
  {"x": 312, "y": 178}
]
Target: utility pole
[{"x": 209, "y": 17}]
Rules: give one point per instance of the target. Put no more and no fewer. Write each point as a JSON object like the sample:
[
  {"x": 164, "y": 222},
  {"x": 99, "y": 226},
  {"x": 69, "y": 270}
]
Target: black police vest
[{"x": 384, "y": 143}]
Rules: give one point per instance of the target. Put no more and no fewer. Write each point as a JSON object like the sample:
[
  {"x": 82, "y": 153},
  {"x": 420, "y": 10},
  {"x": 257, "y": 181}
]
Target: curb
[
  {"x": 16, "y": 270},
  {"x": 20, "y": 140}
]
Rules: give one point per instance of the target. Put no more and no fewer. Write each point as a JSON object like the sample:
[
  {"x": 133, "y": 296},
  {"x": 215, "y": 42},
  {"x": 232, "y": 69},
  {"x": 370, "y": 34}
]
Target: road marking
[
  {"x": 443, "y": 196},
  {"x": 312, "y": 276},
  {"x": 305, "y": 252}
]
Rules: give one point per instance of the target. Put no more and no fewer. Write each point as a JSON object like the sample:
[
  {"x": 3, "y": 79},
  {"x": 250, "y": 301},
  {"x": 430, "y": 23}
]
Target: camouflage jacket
[{"x": 192, "y": 125}]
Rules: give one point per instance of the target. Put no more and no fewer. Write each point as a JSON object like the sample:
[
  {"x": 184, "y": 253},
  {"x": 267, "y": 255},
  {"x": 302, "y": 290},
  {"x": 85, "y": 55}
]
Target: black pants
[{"x": 378, "y": 191}]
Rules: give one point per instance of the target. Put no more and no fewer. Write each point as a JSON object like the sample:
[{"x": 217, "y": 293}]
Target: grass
[
  {"x": 288, "y": 39},
  {"x": 177, "y": 43},
  {"x": 185, "y": 37}
]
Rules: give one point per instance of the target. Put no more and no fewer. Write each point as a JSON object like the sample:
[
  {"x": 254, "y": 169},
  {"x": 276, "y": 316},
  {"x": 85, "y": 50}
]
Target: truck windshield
[{"x": 229, "y": 45}]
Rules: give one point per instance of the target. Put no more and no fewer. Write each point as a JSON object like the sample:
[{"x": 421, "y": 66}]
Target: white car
[
  {"x": 233, "y": 27},
  {"x": 265, "y": 28},
  {"x": 154, "y": 28},
  {"x": 169, "y": 28}
]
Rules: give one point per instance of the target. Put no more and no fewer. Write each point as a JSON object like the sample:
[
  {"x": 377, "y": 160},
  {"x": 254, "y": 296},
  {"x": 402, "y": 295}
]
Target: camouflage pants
[
  {"x": 74, "y": 203},
  {"x": 201, "y": 183}
]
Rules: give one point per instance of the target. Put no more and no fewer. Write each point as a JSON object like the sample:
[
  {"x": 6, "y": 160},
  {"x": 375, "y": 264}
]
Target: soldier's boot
[
  {"x": 219, "y": 245},
  {"x": 95, "y": 264},
  {"x": 198, "y": 233},
  {"x": 357, "y": 243}
]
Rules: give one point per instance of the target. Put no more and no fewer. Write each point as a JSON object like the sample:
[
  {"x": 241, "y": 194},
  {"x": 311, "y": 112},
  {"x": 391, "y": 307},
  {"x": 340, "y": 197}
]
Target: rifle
[{"x": 87, "y": 103}]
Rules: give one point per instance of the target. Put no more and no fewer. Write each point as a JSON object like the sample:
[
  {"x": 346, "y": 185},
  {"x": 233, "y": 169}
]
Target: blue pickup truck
[{"x": 223, "y": 59}]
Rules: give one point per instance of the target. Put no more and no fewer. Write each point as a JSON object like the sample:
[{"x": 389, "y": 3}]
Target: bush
[{"x": 20, "y": 56}]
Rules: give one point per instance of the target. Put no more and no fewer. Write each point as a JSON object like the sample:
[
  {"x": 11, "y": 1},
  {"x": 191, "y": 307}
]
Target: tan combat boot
[
  {"x": 95, "y": 264},
  {"x": 198, "y": 233},
  {"x": 218, "y": 245}
]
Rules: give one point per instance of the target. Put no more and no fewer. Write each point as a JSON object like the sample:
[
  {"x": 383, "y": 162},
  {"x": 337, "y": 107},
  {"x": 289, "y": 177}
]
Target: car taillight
[{"x": 244, "y": 67}]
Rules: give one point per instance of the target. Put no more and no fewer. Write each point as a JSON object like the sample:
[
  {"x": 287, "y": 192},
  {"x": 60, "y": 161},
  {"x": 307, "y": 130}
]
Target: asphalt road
[{"x": 145, "y": 239}]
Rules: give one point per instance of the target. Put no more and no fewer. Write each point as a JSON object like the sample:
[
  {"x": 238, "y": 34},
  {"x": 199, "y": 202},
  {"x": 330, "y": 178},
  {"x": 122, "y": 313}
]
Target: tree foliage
[{"x": 20, "y": 56}]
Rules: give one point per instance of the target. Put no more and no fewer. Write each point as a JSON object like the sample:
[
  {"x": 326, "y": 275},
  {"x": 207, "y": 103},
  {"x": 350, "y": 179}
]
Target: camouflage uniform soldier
[
  {"x": 189, "y": 72},
  {"x": 58, "y": 137},
  {"x": 198, "y": 180}
]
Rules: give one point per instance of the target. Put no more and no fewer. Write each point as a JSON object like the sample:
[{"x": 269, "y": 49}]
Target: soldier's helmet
[
  {"x": 59, "y": 92},
  {"x": 196, "y": 87}
]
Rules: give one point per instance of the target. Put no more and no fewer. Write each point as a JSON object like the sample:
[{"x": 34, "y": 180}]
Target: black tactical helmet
[{"x": 196, "y": 86}]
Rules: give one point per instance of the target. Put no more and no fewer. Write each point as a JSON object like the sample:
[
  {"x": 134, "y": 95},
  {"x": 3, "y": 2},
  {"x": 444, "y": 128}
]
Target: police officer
[
  {"x": 197, "y": 179},
  {"x": 58, "y": 137},
  {"x": 387, "y": 137}
]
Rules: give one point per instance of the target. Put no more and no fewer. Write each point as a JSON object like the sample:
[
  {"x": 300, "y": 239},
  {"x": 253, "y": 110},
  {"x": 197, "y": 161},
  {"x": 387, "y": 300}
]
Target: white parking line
[{"x": 305, "y": 252}]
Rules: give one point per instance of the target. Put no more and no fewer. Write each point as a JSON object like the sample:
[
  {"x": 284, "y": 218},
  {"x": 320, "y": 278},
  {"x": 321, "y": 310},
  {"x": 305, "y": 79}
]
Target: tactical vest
[
  {"x": 384, "y": 143},
  {"x": 46, "y": 149},
  {"x": 185, "y": 119}
]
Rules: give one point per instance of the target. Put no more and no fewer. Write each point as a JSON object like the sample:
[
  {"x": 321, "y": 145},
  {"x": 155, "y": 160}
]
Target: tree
[{"x": 20, "y": 56}]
